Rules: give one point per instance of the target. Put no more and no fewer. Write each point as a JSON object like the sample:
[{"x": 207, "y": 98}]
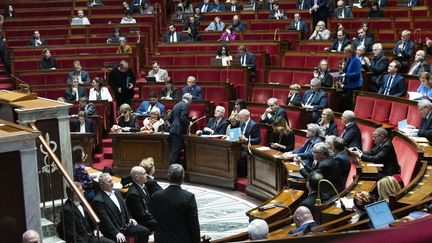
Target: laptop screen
[{"x": 379, "y": 214}]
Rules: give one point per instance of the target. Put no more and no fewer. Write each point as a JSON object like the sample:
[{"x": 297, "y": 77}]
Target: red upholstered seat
[
  {"x": 339, "y": 125},
  {"x": 407, "y": 158},
  {"x": 398, "y": 113},
  {"x": 412, "y": 85},
  {"x": 264, "y": 135},
  {"x": 367, "y": 136},
  {"x": 280, "y": 76},
  {"x": 281, "y": 95},
  {"x": 299, "y": 141},
  {"x": 164, "y": 61},
  {"x": 312, "y": 61},
  {"x": 185, "y": 61},
  {"x": 240, "y": 90},
  {"x": 294, "y": 61},
  {"x": 413, "y": 116},
  {"x": 147, "y": 89},
  {"x": 197, "y": 111},
  {"x": 261, "y": 95},
  {"x": 180, "y": 75},
  {"x": 294, "y": 119},
  {"x": 364, "y": 107},
  {"x": 215, "y": 93},
  {"x": 302, "y": 77},
  {"x": 256, "y": 112},
  {"x": 351, "y": 173},
  {"x": 381, "y": 110},
  {"x": 236, "y": 76},
  {"x": 403, "y": 23},
  {"x": 209, "y": 76}
]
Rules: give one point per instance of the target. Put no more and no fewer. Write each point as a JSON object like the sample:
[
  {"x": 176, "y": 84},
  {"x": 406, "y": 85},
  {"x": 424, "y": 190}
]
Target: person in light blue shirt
[{"x": 425, "y": 87}]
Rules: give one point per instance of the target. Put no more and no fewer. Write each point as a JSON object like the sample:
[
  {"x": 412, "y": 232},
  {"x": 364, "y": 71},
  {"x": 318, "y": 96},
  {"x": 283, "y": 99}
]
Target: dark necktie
[
  {"x": 389, "y": 84},
  {"x": 309, "y": 101}
]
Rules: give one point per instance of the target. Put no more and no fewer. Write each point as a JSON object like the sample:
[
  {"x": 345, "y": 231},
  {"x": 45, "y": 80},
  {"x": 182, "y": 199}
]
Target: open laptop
[
  {"x": 379, "y": 214},
  {"x": 216, "y": 62},
  {"x": 150, "y": 79}
]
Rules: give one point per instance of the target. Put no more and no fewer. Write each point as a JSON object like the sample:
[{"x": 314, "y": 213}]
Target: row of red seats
[{"x": 386, "y": 109}]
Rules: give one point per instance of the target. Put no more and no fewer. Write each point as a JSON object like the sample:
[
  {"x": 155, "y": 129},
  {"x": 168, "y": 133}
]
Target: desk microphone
[{"x": 190, "y": 124}]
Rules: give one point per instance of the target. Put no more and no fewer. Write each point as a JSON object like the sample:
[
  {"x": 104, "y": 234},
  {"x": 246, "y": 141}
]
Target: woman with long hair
[
  {"x": 327, "y": 124},
  {"x": 283, "y": 136},
  {"x": 99, "y": 92}
]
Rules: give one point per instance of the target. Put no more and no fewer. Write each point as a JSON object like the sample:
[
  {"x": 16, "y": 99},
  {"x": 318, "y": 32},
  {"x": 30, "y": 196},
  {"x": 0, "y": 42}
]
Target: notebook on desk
[
  {"x": 379, "y": 214},
  {"x": 234, "y": 134}
]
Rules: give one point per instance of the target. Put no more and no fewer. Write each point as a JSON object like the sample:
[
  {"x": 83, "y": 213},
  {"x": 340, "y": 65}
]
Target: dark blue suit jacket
[
  {"x": 319, "y": 101},
  {"x": 145, "y": 106},
  {"x": 343, "y": 161},
  {"x": 345, "y": 42},
  {"x": 368, "y": 43},
  {"x": 397, "y": 88},
  {"x": 85, "y": 77},
  {"x": 250, "y": 60},
  {"x": 195, "y": 91},
  {"x": 303, "y": 26},
  {"x": 71, "y": 98},
  {"x": 279, "y": 112},
  {"x": 166, "y": 37},
  {"x": 406, "y": 52},
  {"x": 252, "y": 130},
  {"x": 306, "y": 4},
  {"x": 379, "y": 65},
  {"x": 303, "y": 228},
  {"x": 353, "y": 75},
  {"x": 382, "y": 4},
  {"x": 383, "y": 154},
  {"x": 179, "y": 120},
  {"x": 218, "y": 8},
  {"x": 413, "y": 2},
  {"x": 305, "y": 151},
  {"x": 221, "y": 127},
  {"x": 425, "y": 129},
  {"x": 352, "y": 136}
]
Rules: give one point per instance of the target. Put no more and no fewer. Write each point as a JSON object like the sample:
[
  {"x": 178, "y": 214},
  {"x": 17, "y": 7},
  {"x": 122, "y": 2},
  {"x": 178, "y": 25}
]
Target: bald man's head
[
  {"x": 30, "y": 236},
  {"x": 302, "y": 215},
  {"x": 139, "y": 175}
]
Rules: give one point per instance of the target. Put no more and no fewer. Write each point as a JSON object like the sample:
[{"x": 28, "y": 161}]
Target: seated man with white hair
[
  {"x": 216, "y": 125},
  {"x": 258, "y": 229},
  {"x": 425, "y": 110},
  {"x": 419, "y": 65},
  {"x": 303, "y": 220},
  {"x": 351, "y": 133},
  {"x": 273, "y": 111},
  {"x": 315, "y": 99}
]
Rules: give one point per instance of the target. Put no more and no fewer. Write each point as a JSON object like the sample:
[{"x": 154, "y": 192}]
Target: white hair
[{"x": 258, "y": 229}]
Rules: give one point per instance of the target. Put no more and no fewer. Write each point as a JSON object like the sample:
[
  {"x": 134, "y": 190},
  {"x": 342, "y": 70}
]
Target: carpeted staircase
[
  {"x": 105, "y": 158},
  {"x": 5, "y": 81}
]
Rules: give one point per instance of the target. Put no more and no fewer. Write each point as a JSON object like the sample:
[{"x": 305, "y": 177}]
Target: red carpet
[
  {"x": 241, "y": 184},
  {"x": 5, "y": 81},
  {"x": 105, "y": 158}
]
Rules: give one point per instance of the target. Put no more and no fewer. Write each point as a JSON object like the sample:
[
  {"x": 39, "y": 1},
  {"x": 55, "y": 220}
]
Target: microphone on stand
[
  {"x": 191, "y": 123},
  {"x": 318, "y": 200}
]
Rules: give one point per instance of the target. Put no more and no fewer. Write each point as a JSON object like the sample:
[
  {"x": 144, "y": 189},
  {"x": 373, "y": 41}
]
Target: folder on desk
[{"x": 234, "y": 134}]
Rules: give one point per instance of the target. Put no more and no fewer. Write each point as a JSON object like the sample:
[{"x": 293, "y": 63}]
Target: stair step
[
  {"x": 48, "y": 228},
  {"x": 241, "y": 184},
  {"x": 102, "y": 164},
  {"x": 6, "y": 86},
  {"x": 107, "y": 142},
  {"x": 107, "y": 150},
  {"x": 97, "y": 158}
]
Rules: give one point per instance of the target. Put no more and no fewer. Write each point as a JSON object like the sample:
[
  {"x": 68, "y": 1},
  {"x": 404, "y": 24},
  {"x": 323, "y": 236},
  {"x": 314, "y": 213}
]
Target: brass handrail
[{"x": 59, "y": 164}]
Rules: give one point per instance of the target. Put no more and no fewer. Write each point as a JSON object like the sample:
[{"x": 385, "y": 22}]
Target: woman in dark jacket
[
  {"x": 283, "y": 136},
  {"x": 327, "y": 123}
]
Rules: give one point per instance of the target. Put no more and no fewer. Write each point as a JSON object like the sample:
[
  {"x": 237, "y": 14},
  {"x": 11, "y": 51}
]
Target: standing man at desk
[
  {"x": 192, "y": 88},
  {"x": 250, "y": 134},
  {"x": 273, "y": 111},
  {"x": 122, "y": 81},
  {"x": 179, "y": 123},
  {"x": 216, "y": 125},
  {"x": 246, "y": 59}
]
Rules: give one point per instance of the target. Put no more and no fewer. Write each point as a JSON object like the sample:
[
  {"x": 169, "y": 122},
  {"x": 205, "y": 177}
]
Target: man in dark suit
[
  {"x": 88, "y": 107},
  {"x": 313, "y": 136},
  {"x": 206, "y": 6},
  {"x": 404, "y": 49},
  {"x": 138, "y": 199},
  {"x": 75, "y": 222},
  {"x": 277, "y": 12},
  {"x": 393, "y": 82},
  {"x": 377, "y": 66},
  {"x": 312, "y": 186},
  {"x": 324, "y": 164},
  {"x": 179, "y": 123},
  {"x": 382, "y": 153},
  {"x": 169, "y": 92},
  {"x": 175, "y": 211},
  {"x": 83, "y": 76},
  {"x": 147, "y": 105},
  {"x": 298, "y": 24},
  {"x": 315, "y": 99},
  {"x": 246, "y": 59},
  {"x": 216, "y": 125},
  {"x": 255, "y": 5},
  {"x": 83, "y": 125},
  {"x": 233, "y": 7},
  {"x": 363, "y": 40},
  {"x": 419, "y": 65},
  {"x": 340, "y": 43},
  {"x": 237, "y": 25},
  {"x": 172, "y": 36},
  {"x": 303, "y": 220},
  {"x": 192, "y": 88},
  {"x": 351, "y": 133},
  {"x": 218, "y": 7},
  {"x": 303, "y": 4},
  {"x": 341, "y": 157},
  {"x": 249, "y": 134},
  {"x": 122, "y": 82},
  {"x": 113, "y": 213},
  {"x": 342, "y": 12},
  {"x": 74, "y": 92},
  {"x": 37, "y": 40},
  {"x": 412, "y": 3},
  {"x": 425, "y": 110},
  {"x": 382, "y": 3},
  {"x": 273, "y": 111},
  {"x": 319, "y": 11}
]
